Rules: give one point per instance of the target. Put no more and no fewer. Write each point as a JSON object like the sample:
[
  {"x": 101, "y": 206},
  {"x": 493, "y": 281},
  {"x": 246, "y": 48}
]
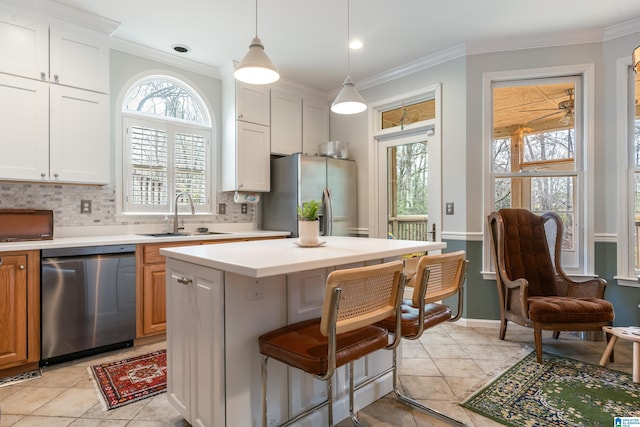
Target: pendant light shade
[
  {"x": 635, "y": 59},
  {"x": 256, "y": 67},
  {"x": 348, "y": 101}
]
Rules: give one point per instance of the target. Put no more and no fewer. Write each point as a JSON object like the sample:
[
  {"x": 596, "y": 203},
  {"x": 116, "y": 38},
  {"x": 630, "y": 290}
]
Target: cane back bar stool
[
  {"x": 355, "y": 299},
  {"x": 433, "y": 278}
]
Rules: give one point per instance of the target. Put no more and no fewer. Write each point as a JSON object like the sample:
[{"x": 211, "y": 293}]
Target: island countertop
[{"x": 266, "y": 258}]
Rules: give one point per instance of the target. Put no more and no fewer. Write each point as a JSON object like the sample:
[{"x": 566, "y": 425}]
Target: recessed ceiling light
[
  {"x": 356, "y": 44},
  {"x": 180, "y": 48}
]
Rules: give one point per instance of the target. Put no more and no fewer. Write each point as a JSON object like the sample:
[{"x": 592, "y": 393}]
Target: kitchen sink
[{"x": 171, "y": 234}]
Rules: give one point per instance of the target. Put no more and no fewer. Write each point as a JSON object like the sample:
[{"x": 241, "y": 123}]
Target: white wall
[
  {"x": 355, "y": 129},
  {"x": 462, "y": 126}
]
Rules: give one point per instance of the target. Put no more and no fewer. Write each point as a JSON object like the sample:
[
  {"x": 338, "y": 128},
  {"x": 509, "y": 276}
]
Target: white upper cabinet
[
  {"x": 286, "y": 122},
  {"x": 79, "y": 59},
  {"x": 315, "y": 125},
  {"x": 54, "y": 83},
  {"x": 253, "y": 103},
  {"x": 79, "y": 136},
  {"x": 70, "y": 56},
  {"x": 246, "y": 139},
  {"x": 24, "y": 44},
  {"x": 24, "y": 126}
]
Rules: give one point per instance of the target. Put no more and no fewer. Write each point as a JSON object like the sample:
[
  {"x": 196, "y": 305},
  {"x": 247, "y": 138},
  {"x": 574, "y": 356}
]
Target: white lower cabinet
[
  {"x": 195, "y": 343},
  {"x": 214, "y": 319}
]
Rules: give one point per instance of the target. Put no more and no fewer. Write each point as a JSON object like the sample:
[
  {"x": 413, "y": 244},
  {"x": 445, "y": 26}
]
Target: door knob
[{"x": 21, "y": 267}]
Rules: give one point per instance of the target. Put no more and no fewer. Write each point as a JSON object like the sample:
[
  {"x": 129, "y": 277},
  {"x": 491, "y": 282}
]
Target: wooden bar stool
[
  {"x": 432, "y": 278},
  {"x": 355, "y": 299}
]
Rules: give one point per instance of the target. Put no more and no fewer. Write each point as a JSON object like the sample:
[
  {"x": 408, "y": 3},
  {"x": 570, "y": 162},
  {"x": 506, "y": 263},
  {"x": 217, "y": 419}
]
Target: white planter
[{"x": 309, "y": 232}]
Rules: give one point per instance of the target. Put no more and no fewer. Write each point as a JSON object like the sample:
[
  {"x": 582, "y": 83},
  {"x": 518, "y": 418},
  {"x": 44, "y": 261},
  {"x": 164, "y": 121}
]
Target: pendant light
[
  {"x": 256, "y": 67},
  {"x": 348, "y": 101},
  {"x": 635, "y": 59}
]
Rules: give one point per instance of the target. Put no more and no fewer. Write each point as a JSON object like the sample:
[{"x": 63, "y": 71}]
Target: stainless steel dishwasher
[{"x": 88, "y": 300}]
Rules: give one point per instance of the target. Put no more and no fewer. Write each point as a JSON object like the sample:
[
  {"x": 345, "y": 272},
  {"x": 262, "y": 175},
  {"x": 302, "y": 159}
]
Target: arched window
[{"x": 167, "y": 146}]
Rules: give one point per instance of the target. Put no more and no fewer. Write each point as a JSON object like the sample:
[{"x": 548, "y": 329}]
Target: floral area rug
[
  {"x": 132, "y": 379},
  {"x": 558, "y": 392}
]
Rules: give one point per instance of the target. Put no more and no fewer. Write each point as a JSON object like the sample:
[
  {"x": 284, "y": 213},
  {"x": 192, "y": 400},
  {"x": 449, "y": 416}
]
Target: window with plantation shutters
[{"x": 167, "y": 139}]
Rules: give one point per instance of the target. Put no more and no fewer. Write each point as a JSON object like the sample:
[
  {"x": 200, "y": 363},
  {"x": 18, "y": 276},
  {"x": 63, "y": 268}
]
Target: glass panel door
[{"x": 408, "y": 178}]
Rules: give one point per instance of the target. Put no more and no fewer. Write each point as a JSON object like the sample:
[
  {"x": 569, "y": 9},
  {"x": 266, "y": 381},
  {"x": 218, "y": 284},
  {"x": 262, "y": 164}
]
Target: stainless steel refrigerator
[{"x": 298, "y": 178}]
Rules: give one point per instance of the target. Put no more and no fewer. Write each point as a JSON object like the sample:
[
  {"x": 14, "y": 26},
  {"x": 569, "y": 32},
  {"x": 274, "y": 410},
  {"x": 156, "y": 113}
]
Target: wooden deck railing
[{"x": 409, "y": 227}]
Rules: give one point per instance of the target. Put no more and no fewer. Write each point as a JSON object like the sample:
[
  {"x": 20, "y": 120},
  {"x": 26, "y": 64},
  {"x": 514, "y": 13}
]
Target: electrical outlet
[
  {"x": 449, "y": 208},
  {"x": 222, "y": 209},
  {"x": 256, "y": 290},
  {"x": 85, "y": 206},
  {"x": 243, "y": 208}
]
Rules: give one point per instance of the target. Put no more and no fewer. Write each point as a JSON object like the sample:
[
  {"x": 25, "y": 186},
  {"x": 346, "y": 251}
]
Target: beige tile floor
[{"x": 442, "y": 369}]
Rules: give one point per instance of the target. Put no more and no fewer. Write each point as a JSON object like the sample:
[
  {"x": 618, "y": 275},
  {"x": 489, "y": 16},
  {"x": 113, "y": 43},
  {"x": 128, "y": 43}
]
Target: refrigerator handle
[{"x": 328, "y": 211}]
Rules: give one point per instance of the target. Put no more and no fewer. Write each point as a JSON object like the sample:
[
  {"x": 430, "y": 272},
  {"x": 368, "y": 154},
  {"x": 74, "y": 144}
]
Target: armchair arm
[
  {"x": 592, "y": 288},
  {"x": 516, "y": 293}
]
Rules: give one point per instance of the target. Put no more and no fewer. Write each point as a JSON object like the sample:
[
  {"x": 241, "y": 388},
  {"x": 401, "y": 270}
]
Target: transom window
[{"x": 167, "y": 146}]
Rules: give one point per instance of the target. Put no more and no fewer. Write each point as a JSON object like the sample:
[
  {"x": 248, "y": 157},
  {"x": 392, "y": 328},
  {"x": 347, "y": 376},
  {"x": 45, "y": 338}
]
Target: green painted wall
[{"x": 481, "y": 296}]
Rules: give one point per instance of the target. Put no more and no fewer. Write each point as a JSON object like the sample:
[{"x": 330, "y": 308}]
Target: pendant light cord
[
  {"x": 348, "y": 38},
  {"x": 256, "y": 18}
]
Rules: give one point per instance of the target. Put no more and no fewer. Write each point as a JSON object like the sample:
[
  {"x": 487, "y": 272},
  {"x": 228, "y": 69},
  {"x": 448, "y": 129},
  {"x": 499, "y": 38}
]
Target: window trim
[
  {"x": 120, "y": 145},
  {"x": 625, "y": 268},
  {"x": 586, "y": 73}
]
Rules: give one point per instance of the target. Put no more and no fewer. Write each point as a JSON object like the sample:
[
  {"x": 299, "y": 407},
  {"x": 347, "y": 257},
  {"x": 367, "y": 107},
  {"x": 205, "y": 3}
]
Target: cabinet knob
[
  {"x": 43, "y": 174},
  {"x": 55, "y": 77},
  {"x": 21, "y": 267},
  {"x": 240, "y": 116},
  {"x": 55, "y": 175},
  {"x": 43, "y": 75},
  {"x": 185, "y": 280}
]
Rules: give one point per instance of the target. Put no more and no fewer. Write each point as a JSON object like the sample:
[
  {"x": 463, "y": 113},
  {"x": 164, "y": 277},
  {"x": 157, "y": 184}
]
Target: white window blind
[{"x": 167, "y": 134}]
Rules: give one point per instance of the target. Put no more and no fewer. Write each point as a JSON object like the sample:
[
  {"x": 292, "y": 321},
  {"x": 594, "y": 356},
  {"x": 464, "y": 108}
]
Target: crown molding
[
  {"x": 68, "y": 14},
  {"x": 424, "y": 63},
  {"x": 622, "y": 29},
  {"x": 164, "y": 57},
  {"x": 548, "y": 40}
]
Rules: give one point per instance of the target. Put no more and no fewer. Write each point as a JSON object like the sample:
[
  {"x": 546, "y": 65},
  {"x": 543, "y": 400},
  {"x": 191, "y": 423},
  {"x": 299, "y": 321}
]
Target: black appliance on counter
[{"x": 88, "y": 299}]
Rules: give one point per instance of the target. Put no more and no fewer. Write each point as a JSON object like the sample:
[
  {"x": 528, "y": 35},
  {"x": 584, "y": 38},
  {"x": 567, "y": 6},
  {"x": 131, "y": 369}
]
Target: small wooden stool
[{"x": 631, "y": 333}]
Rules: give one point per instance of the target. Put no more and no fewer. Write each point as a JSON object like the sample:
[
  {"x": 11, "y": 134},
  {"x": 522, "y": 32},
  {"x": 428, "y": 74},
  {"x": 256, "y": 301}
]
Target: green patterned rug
[{"x": 558, "y": 392}]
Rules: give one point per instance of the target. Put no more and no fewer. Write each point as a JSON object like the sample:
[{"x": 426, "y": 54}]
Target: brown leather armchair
[{"x": 534, "y": 290}]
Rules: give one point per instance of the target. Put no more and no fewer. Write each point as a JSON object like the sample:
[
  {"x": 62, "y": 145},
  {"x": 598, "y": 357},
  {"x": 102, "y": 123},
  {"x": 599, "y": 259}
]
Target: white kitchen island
[{"x": 221, "y": 298}]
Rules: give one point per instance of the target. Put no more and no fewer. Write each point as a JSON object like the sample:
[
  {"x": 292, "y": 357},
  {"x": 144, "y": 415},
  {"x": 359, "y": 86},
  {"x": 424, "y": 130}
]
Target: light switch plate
[
  {"x": 244, "y": 208},
  {"x": 448, "y": 208}
]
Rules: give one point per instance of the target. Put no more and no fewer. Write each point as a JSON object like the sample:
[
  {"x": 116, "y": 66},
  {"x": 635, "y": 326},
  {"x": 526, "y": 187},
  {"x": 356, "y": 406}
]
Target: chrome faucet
[{"x": 175, "y": 210}]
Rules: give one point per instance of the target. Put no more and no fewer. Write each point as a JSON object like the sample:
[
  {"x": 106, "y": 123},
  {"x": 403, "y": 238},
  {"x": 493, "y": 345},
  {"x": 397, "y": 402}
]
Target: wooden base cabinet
[
  {"x": 19, "y": 311},
  {"x": 151, "y": 312}
]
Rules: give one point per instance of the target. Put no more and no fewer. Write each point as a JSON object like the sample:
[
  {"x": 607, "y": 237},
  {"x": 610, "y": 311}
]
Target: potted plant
[{"x": 309, "y": 223}]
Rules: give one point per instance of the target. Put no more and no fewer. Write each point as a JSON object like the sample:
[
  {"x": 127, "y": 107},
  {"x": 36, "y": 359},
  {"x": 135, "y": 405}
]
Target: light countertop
[
  {"x": 265, "y": 258},
  {"x": 128, "y": 239}
]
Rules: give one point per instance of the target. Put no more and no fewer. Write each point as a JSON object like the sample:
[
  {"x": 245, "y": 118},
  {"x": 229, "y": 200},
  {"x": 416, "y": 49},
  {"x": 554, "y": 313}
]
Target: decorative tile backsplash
[{"x": 65, "y": 201}]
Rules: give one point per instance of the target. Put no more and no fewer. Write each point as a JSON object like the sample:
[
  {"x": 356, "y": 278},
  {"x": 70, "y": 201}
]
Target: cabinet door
[
  {"x": 24, "y": 126},
  {"x": 24, "y": 45},
  {"x": 79, "y": 136},
  {"x": 154, "y": 311},
  {"x": 253, "y": 104},
  {"x": 315, "y": 125},
  {"x": 253, "y": 157},
  {"x": 13, "y": 310},
  {"x": 79, "y": 59},
  {"x": 286, "y": 123},
  {"x": 195, "y": 343}
]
